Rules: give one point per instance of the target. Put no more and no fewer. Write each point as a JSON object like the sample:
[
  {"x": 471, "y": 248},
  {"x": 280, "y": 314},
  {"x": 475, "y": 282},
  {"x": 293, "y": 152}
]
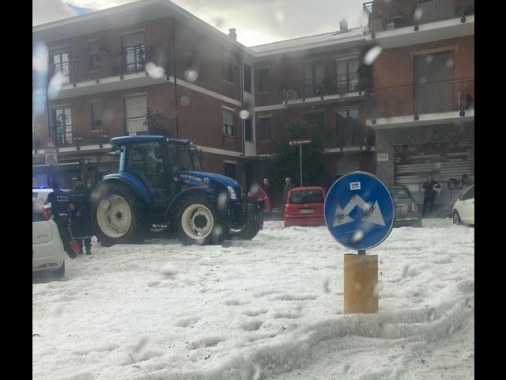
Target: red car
[{"x": 305, "y": 206}]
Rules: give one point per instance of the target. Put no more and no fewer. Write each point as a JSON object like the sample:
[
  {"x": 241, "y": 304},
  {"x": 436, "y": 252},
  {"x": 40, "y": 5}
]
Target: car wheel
[
  {"x": 119, "y": 216},
  {"x": 456, "y": 218},
  {"x": 198, "y": 223}
]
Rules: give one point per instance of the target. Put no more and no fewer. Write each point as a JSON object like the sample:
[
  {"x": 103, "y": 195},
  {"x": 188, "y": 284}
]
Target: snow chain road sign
[{"x": 359, "y": 211}]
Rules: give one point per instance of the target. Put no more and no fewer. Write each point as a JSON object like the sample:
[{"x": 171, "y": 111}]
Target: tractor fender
[{"x": 131, "y": 181}]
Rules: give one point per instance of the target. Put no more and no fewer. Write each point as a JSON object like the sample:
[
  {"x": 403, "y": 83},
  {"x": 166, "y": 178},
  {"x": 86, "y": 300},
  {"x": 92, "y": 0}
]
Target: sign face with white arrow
[
  {"x": 359, "y": 211},
  {"x": 299, "y": 142}
]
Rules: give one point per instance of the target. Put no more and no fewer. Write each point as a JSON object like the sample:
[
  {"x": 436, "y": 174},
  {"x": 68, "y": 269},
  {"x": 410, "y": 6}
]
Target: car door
[{"x": 467, "y": 214}]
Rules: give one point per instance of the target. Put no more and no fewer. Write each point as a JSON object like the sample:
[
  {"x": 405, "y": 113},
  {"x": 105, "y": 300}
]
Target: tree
[
  {"x": 154, "y": 122},
  {"x": 286, "y": 162}
]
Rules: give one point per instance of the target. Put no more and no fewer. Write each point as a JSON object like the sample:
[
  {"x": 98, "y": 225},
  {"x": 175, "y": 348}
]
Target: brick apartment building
[{"x": 394, "y": 98}]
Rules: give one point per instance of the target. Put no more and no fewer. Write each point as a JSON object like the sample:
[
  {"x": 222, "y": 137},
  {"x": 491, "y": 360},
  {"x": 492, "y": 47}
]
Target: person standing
[
  {"x": 263, "y": 203},
  {"x": 60, "y": 207},
  {"x": 80, "y": 216},
  {"x": 430, "y": 190},
  {"x": 267, "y": 187},
  {"x": 286, "y": 188}
]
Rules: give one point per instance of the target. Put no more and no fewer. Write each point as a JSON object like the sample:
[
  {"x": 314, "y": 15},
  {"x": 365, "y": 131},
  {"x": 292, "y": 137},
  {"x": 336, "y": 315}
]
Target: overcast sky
[{"x": 257, "y": 21}]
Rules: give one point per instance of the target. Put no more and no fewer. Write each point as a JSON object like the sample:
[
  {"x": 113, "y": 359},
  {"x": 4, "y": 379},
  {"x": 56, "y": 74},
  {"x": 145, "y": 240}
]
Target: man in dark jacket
[
  {"x": 80, "y": 216},
  {"x": 430, "y": 189},
  {"x": 60, "y": 204}
]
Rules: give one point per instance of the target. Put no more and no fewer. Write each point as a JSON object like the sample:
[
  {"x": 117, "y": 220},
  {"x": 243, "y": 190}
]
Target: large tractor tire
[
  {"x": 198, "y": 222},
  {"x": 254, "y": 223},
  {"x": 118, "y": 215}
]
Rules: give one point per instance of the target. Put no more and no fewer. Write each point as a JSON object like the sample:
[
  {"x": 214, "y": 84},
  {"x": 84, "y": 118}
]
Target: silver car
[
  {"x": 463, "y": 209},
  {"x": 48, "y": 254}
]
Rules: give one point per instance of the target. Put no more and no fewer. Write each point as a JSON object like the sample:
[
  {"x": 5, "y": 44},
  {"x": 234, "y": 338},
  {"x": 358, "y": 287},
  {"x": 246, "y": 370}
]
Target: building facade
[{"x": 394, "y": 98}]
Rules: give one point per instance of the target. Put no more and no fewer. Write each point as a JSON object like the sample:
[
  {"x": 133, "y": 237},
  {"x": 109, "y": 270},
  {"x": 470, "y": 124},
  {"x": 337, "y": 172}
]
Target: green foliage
[
  {"x": 286, "y": 162},
  {"x": 153, "y": 119}
]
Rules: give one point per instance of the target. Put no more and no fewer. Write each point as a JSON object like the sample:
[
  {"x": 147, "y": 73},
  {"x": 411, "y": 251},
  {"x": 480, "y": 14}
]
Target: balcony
[
  {"x": 422, "y": 104},
  {"x": 97, "y": 134},
  {"x": 110, "y": 71},
  {"x": 394, "y": 14},
  {"x": 328, "y": 89}
]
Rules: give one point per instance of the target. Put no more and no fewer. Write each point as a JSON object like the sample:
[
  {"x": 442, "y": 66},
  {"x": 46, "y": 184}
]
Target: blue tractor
[{"x": 160, "y": 188}]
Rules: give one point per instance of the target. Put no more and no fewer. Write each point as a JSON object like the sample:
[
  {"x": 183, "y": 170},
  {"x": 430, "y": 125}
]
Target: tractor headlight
[{"x": 232, "y": 193}]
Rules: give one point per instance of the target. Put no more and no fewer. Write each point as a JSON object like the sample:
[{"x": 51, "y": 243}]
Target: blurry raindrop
[
  {"x": 422, "y": 80},
  {"x": 40, "y": 66},
  {"x": 40, "y": 57},
  {"x": 357, "y": 236},
  {"x": 218, "y": 231},
  {"x": 191, "y": 75},
  {"x": 372, "y": 54},
  {"x": 417, "y": 15},
  {"x": 279, "y": 16},
  {"x": 244, "y": 114},
  {"x": 169, "y": 270},
  {"x": 428, "y": 59},
  {"x": 184, "y": 101},
  {"x": 154, "y": 70},
  {"x": 449, "y": 63},
  {"x": 255, "y": 187},
  {"x": 367, "y": 208},
  {"x": 55, "y": 85},
  {"x": 222, "y": 201}
]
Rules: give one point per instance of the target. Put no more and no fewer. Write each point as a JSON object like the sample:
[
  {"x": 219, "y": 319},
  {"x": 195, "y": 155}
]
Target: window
[
  {"x": 248, "y": 129},
  {"x": 134, "y": 53},
  {"x": 433, "y": 82},
  {"x": 263, "y": 79},
  {"x": 93, "y": 54},
  {"x": 135, "y": 114},
  {"x": 313, "y": 78},
  {"x": 247, "y": 77},
  {"x": 60, "y": 64},
  {"x": 228, "y": 122},
  {"x": 265, "y": 128},
  {"x": 229, "y": 169},
  {"x": 62, "y": 120},
  {"x": 347, "y": 75},
  {"x": 227, "y": 69},
  {"x": 96, "y": 115},
  {"x": 347, "y": 128}
]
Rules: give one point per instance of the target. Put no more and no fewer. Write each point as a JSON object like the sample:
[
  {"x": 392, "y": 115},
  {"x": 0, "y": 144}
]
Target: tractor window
[{"x": 143, "y": 161}]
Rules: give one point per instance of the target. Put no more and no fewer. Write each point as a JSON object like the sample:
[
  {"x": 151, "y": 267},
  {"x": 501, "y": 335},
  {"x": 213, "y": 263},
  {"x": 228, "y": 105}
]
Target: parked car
[
  {"x": 408, "y": 212},
  {"x": 463, "y": 209},
  {"x": 305, "y": 206},
  {"x": 48, "y": 254}
]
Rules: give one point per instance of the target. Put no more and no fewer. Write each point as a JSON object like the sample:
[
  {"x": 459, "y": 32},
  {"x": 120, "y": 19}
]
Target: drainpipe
[{"x": 175, "y": 74}]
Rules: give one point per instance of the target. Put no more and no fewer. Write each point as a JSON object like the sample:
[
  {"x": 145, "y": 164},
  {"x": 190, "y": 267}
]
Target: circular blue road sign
[{"x": 359, "y": 211}]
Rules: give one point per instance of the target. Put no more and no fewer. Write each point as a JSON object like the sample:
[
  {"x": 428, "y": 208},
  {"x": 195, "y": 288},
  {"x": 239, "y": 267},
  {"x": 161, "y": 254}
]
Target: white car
[
  {"x": 48, "y": 254},
  {"x": 463, "y": 209}
]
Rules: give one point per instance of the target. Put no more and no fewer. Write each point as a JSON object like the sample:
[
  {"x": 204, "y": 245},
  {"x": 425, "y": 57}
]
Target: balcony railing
[
  {"x": 328, "y": 86},
  {"x": 429, "y": 98},
  {"x": 99, "y": 133},
  {"x": 117, "y": 64},
  {"x": 385, "y": 15}
]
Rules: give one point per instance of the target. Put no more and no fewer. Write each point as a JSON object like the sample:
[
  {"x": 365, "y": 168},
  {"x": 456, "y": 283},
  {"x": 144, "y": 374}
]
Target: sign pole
[
  {"x": 300, "y": 162},
  {"x": 299, "y": 143}
]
